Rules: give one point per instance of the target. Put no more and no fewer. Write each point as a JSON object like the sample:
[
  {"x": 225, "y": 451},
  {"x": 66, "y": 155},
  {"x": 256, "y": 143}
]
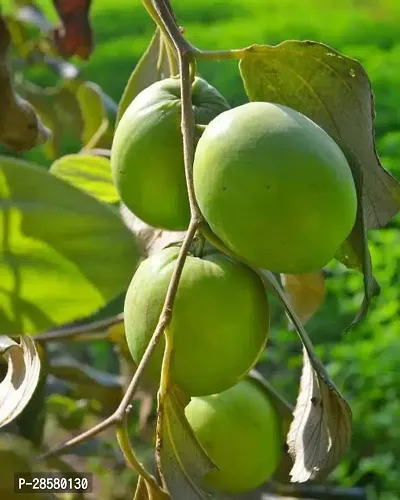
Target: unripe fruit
[
  {"x": 239, "y": 429},
  {"x": 219, "y": 323},
  {"x": 147, "y": 151},
  {"x": 274, "y": 187}
]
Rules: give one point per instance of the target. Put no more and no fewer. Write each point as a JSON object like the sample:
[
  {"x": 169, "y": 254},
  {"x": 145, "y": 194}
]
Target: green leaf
[
  {"x": 320, "y": 431},
  {"x": 98, "y": 113},
  {"x": 152, "y": 66},
  {"x": 335, "y": 92},
  {"x": 68, "y": 412},
  {"x": 17, "y": 456},
  {"x": 354, "y": 253},
  {"x": 63, "y": 254},
  {"x": 90, "y": 173},
  {"x": 65, "y": 100},
  {"x": 88, "y": 382},
  {"x": 42, "y": 102},
  {"x": 182, "y": 460}
]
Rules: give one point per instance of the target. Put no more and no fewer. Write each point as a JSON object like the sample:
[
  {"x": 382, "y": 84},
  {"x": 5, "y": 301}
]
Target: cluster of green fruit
[{"x": 279, "y": 193}]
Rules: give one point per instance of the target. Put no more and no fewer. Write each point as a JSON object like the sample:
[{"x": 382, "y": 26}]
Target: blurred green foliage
[{"x": 363, "y": 362}]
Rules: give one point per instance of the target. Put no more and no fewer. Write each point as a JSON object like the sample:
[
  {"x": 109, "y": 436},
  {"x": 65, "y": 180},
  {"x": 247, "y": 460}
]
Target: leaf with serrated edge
[
  {"x": 22, "y": 376},
  {"x": 305, "y": 292},
  {"x": 89, "y": 173},
  {"x": 321, "y": 428},
  {"x": 152, "y": 66},
  {"x": 77, "y": 249},
  {"x": 335, "y": 92},
  {"x": 152, "y": 239},
  {"x": 182, "y": 460}
]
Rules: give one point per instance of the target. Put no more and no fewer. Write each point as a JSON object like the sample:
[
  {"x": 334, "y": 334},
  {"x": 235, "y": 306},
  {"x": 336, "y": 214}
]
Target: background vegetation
[{"x": 364, "y": 362}]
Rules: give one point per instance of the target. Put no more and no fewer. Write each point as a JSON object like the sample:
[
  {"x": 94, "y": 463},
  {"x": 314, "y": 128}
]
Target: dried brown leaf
[
  {"x": 305, "y": 292},
  {"x": 321, "y": 428},
  {"x": 22, "y": 376}
]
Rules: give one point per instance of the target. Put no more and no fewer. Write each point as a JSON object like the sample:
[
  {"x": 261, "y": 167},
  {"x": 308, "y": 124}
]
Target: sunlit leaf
[
  {"x": 90, "y": 173},
  {"x": 20, "y": 127},
  {"x": 70, "y": 413},
  {"x": 181, "y": 459},
  {"x": 74, "y": 37},
  {"x": 98, "y": 113},
  {"x": 21, "y": 379},
  {"x": 335, "y": 92},
  {"x": 320, "y": 431},
  {"x": 63, "y": 254},
  {"x": 152, "y": 66},
  {"x": 305, "y": 292}
]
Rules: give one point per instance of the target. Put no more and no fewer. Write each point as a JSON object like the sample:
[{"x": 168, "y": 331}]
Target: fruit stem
[
  {"x": 131, "y": 459},
  {"x": 162, "y": 395}
]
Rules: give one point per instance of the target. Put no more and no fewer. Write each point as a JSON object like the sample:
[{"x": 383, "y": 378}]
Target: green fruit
[
  {"x": 274, "y": 187},
  {"x": 219, "y": 323},
  {"x": 147, "y": 151},
  {"x": 239, "y": 429}
]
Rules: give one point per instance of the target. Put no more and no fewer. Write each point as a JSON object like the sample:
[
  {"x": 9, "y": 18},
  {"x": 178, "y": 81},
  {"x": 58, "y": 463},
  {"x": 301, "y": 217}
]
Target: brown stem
[
  {"x": 76, "y": 331},
  {"x": 323, "y": 492},
  {"x": 184, "y": 50}
]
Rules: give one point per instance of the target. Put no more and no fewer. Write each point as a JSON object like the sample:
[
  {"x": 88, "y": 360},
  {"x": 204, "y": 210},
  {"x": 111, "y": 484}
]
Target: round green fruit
[
  {"x": 240, "y": 431},
  {"x": 219, "y": 323},
  {"x": 147, "y": 151},
  {"x": 274, "y": 187}
]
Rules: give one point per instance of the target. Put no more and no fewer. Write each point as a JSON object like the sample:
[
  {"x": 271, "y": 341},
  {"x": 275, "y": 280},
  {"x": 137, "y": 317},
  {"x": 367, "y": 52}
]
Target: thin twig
[
  {"x": 325, "y": 492},
  {"x": 130, "y": 457},
  {"x": 76, "y": 331}
]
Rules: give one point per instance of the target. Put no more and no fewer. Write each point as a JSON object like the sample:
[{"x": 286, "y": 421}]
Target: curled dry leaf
[
  {"x": 152, "y": 239},
  {"x": 305, "y": 293},
  {"x": 152, "y": 66},
  {"x": 321, "y": 428},
  {"x": 320, "y": 431},
  {"x": 20, "y": 127},
  {"x": 21, "y": 378}
]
